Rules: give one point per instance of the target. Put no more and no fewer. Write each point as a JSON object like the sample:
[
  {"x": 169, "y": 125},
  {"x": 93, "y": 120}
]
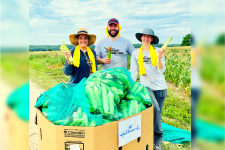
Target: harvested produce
[
  {"x": 109, "y": 52},
  {"x": 130, "y": 107},
  {"x": 107, "y": 96},
  {"x": 64, "y": 48}
]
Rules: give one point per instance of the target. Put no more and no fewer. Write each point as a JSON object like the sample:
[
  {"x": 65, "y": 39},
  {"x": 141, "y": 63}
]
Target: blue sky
[
  {"x": 26, "y": 22},
  {"x": 51, "y": 22}
]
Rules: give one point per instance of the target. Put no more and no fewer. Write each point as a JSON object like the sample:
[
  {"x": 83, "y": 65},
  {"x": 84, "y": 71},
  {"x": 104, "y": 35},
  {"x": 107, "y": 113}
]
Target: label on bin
[
  {"x": 129, "y": 130},
  {"x": 77, "y": 133},
  {"x": 75, "y": 147}
]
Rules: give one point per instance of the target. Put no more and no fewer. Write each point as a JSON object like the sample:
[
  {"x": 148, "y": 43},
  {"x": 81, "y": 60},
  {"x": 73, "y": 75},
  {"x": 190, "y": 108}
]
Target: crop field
[
  {"x": 178, "y": 68},
  {"x": 46, "y": 69}
]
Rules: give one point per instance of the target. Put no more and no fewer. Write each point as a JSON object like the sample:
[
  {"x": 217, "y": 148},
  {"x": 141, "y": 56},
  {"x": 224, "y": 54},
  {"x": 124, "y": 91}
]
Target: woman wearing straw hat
[
  {"x": 144, "y": 60},
  {"x": 83, "y": 56}
]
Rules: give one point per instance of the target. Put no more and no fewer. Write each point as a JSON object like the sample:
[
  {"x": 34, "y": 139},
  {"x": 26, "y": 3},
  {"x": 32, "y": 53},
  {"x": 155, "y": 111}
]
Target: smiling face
[
  {"x": 146, "y": 39},
  {"x": 113, "y": 29},
  {"x": 82, "y": 40}
]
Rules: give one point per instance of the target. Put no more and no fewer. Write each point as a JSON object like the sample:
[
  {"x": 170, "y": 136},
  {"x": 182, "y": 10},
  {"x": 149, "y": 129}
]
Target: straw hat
[{"x": 91, "y": 37}]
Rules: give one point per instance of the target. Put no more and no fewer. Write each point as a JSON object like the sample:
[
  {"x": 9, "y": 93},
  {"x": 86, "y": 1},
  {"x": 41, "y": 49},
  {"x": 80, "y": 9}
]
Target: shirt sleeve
[
  {"x": 130, "y": 47},
  {"x": 134, "y": 66},
  {"x": 68, "y": 69},
  {"x": 97, "y": 50}
]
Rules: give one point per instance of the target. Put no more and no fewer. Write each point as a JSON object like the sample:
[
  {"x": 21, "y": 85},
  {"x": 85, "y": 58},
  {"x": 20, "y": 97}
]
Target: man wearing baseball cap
[{"x": 120, "y": 47}]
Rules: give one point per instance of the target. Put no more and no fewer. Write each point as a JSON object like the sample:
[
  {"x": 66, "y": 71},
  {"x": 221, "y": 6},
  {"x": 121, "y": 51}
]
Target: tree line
[
  {"x": 56, "y": 47},
  {"x": 187, "y": 41}
]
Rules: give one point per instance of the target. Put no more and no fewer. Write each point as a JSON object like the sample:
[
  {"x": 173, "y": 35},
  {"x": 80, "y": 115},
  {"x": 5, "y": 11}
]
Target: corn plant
[{"x": 179, "y": 73}]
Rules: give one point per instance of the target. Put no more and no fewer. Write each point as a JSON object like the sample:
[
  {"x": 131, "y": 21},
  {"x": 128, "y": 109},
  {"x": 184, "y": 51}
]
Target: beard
[{"x": 109, "y": 31}]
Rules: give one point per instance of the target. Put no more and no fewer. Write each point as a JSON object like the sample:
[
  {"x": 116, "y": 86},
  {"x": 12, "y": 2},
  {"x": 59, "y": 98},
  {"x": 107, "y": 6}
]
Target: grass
[
  {"x": 212, "y": 66},
  {"x": 172, "y": 146},
  {"x": 177, "y": 110},
  {"x": 14, "y": 68},
  {"x": 211, "y": 105},
  {"x": 206, "y": 145},
  {"x": 46, "y": 69}
]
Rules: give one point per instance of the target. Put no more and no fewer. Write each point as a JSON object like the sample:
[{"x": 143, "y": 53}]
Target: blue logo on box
[{"x": 129, "y": 130}]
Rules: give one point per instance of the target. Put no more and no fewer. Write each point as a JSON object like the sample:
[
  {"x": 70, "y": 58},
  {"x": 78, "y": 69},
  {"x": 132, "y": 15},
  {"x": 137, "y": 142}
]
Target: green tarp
[{"x": 175, "y": 135}]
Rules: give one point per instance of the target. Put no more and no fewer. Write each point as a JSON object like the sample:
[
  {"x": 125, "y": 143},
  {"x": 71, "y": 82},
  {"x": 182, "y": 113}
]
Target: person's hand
[
  {"x": 67, "y": 55},
  {"x": 107, "y": 60},
  {"x": 161, "y": 53}
]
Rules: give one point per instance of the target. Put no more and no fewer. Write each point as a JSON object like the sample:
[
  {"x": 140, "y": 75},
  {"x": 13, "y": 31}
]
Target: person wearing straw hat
[
  {"x": 84, "y": 57},
  {"x": 120, "y": 47},
  {"x": 144, "y": 60}
]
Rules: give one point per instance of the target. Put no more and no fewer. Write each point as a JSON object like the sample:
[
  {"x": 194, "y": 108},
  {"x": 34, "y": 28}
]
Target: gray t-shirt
[
  {"x": 152, "y": 78},
  {"x": 120, "y": 48}
]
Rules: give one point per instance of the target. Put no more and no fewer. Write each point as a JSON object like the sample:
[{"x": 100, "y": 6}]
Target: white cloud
[
  {"x": 170, "y": 8},
  {"x": 42, "y": 22},
  {"x": 77, "y": 9},
  {"x": 205, "y": 7},
  {"x": 67, "y": 16}
]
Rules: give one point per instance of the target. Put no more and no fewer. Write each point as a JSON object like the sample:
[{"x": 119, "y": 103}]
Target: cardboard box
[{"x": 104, "y": 137}]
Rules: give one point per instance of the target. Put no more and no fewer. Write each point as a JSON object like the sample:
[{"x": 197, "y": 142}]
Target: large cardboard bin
[{"x": 104, "y": 137}]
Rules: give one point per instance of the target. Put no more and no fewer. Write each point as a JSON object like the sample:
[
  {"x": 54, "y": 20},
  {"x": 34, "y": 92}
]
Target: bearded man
[{"x": 120, "y": 47}]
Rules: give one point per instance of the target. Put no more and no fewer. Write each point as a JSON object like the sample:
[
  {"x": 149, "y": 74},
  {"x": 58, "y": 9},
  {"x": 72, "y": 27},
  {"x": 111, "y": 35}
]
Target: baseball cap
[{"x": 113, "y": 20}]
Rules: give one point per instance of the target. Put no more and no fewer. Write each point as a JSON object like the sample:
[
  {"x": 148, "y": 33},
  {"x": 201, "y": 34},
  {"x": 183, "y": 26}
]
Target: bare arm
[
  {"x": 160, "y": 64},
  {"x": 161, "y": 54},
  {"x": 104, "y": 60},
  {"x": 134, "y": 67}
]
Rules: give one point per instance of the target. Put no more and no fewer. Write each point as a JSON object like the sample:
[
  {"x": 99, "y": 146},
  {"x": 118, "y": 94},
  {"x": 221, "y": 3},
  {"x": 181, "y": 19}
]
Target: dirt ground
[
  {"x": 34, "y": 93},
  {"x": 4, "y": 125}
]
